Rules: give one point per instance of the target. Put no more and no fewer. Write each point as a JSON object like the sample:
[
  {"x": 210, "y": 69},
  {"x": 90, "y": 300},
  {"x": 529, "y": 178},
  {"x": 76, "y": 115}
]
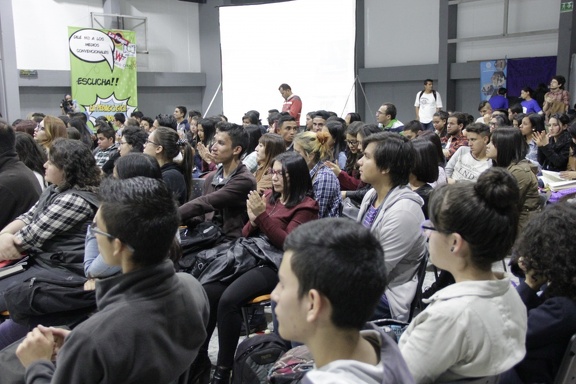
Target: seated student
[
  {"x": 274, "y": 216},
  {"x": 130, "y": 165},
  {"x": 148, "y": 307},
  {"x": 313, "y": 147},
  {"x": 52, "y": 232},
  {"x": 107, "y": 145},
  {"x": 549, "y": 292},
  {"x": 554, "y": 147},
  {"x": 269, "y": 146},
  {"x": 336, "y": 128},
  {"x": 454, "y": 138},
  {"x": 394, "y": 214},
  {"x": 412, "y": 129},
  {"x": 331, "y": 277},
  {"x": 439, "y": 122},
  {"x": 425, "y": 171},
  {"x": 477, "y": 326},
  {"x": 469, "y": 162},
  {"x": 225, "y": 190},
  {"x": 508, "y": 149},
  {"x": 165, "y": 145}
]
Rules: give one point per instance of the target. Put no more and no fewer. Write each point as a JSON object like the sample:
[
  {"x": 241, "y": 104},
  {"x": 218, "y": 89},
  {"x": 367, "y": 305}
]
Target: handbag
[
  {"x": 204, "y": 236},
  {"x": 350, "y": 209}
]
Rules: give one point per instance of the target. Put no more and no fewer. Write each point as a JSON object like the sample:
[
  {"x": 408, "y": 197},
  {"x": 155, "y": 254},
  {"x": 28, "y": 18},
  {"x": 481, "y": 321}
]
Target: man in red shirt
[{"x": 292, "y": 103}]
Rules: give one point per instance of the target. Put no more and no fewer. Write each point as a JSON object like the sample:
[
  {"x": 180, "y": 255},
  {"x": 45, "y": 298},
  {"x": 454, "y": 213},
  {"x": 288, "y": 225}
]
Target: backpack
[
  {"x": 292, "y": 366},
  {"x": 421, "y": 92},
  {"x": 255, "y": 357}
]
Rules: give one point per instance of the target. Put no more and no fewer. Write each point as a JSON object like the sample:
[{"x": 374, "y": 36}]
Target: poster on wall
[
  {"x": 103, "y": 70},
  {"x": 492, "y": 77}
]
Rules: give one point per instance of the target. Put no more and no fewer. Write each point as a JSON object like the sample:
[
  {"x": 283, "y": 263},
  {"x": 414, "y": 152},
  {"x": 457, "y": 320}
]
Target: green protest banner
[{"x": 103, "y": 70}]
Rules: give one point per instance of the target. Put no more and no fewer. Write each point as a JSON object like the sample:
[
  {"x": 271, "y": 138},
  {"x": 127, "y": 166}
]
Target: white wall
[
  {"x": 401, "y": 32},
  {"x": 486, "y": 18},
  {"x": 41, "y": 32}
]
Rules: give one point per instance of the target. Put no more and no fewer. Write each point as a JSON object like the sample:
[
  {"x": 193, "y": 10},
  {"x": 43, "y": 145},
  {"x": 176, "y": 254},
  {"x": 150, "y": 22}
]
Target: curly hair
[
  {"x": 547, "y": 245},
  {"x": 77, "y": 162},
  {"x": 136, "y": 137}
]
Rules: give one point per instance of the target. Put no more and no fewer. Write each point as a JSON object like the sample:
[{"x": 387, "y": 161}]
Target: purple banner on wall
[{"x": 530, "y": 72}]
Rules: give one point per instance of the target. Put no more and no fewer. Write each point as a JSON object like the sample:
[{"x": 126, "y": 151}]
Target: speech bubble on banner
[
  {"x": 92, "y": 46},
  {"x": 108, "y": 107}
]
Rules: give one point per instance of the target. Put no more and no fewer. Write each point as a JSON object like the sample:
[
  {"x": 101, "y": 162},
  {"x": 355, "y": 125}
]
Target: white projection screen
[{"x": 308, "y": 44}]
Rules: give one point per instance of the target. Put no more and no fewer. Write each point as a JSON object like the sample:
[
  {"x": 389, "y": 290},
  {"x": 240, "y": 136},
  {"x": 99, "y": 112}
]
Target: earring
[{"x": 451, "y": 249}]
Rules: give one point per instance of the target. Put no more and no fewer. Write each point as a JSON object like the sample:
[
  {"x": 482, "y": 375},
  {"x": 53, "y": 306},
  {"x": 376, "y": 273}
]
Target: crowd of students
[{"x": 104, "y": 206}]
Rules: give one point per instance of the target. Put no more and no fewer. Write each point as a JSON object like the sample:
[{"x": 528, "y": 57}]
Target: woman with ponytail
[
  {"x": 176, "y": 159},
  {"x": 477, "y": 326},
  {"x": 313, "y": 147}
]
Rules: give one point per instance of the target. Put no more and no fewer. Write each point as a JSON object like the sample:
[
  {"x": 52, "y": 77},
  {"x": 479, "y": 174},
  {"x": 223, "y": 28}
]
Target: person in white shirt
[
  {"x": 469, "y": 162},
  {"x": 427, "y": 103}
]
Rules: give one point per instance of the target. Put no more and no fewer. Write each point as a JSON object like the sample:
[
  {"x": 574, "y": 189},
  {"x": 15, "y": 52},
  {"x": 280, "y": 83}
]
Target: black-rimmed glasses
[{"x": 95, "y": 231}]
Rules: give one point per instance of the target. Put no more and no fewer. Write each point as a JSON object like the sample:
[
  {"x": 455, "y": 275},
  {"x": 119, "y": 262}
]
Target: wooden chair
[{"x": 259, "y": 301}]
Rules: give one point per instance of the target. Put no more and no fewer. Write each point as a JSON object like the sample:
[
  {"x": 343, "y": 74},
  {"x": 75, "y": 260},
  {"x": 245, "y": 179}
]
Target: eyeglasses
[
  {"x": 151, "y": 142},
  {"x": 273, "y": 172},
  {"x": 380, "y": 112},
  {"x": 427, "y": 228},
  {"x": 352, "y": 143},
  {"x": 94, "y": 231}
]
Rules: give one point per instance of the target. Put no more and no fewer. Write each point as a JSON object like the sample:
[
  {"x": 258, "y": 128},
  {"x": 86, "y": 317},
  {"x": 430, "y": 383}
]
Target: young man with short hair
[
  {"x": 386, "y": 118},
  {"x": 558, "y": 99},
  {"x": 331, "y": 277},
  {"x": 182, "y": 127},
  {"x": 150, "y": 321},
  {"x": 412, "y": 129},
  {"x": 225, "y": 189},
  {"x": 468, "y": 162},
  {"x": 319, "y": 120},
  {"x": 454, "y": 138},
  {"x": 287, "y": 128},
  {"x": 107, "y": 145}
]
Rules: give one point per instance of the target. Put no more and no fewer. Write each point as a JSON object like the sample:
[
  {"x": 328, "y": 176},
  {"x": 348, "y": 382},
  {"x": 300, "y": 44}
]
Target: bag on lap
[
  {"x": 204, "y": 236},
  {"x": 292, "y": 366},
  {"x": 255, "y": 357}
]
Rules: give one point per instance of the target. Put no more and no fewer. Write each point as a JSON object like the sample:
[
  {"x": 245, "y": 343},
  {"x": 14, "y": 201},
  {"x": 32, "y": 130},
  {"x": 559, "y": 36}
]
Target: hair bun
[
  {"x": 498, "y": 188},
  {"x": 322, "y": 137}
]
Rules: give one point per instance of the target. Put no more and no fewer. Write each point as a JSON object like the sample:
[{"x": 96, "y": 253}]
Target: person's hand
[
  {"x": 38, "y": 345},
  {"x": 58, "y": 334},
  {"x": 568, "y": 175},
  {"x": 534, "y": 279},
  {"x": 9, "y": 247},
  {"x": 204, "y": 153},
  {"x": 334, "y": 167},
  {"x": 255, "y": 205},
  {"x": 343, "y": 194},
  {"x": 541, "y": 138},
  {"x": 90, "y": 285},
  {"x": 450, "y": 180}
]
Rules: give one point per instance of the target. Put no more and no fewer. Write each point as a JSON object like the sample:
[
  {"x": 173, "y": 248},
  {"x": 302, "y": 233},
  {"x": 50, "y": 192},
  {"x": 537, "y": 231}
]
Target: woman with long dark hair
[
  {"x": 269, "y": 146},
  {"x": 274, "y": 215},
  {"x": 554, "y": 146},
  {"x": 165, "y": 145},
  {"x": 32, "y": 155}
]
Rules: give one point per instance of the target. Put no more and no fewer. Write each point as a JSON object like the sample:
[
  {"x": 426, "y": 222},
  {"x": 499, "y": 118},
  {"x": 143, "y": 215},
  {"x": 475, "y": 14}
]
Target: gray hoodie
[{"x": 397, "y": 226}]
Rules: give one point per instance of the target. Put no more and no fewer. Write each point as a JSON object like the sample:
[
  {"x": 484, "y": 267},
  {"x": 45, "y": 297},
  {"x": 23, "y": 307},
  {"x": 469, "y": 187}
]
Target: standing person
[
  {"x": 274, "y": 215},
  {"x": 68, "y": 105},
  {"x": 499, "y": 101},
  {"x": 558, "y": 99},
  {"x": 330, "y": 279},
  {"x": 394, "y": 214},
  {"x": 508, "y": 149},
  {"x": 470, "y": 161},
  {"x": 128, "y": 304},
  {"x": 427, "y": 103},
  {"x": 477, "y": 326},
  {"x": 292, "y": 103},
  {"x": 529, "y": 105},
  {"x": 164, "y": 144},
  {"x": 313, "y": 147},
  {"x": 19, "y": 188}
]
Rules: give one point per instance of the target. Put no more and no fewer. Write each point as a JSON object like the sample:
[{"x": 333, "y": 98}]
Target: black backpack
[
  {"x": 421, "y": 92},
  {"x": 255, "y": 357}
]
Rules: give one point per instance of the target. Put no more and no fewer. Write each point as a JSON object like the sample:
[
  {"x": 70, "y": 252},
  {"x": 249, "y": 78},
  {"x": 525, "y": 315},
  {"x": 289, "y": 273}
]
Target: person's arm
[
  {"x": 455, "y": 145},
  {"x": 566, "y": 100},
  {"x": 94, "y": 264},
  {"x": 233, "y": 194},
  {"x": 276, "y": 230},
  {"x": 417, "y": 106},
  {"x": 417, "y": 112},
  {"x": 556, "y": 155},
  {"x": 451, "y": 164},
  {"x": 438, "y": 102},
  {"x": 65, "y": 212}
]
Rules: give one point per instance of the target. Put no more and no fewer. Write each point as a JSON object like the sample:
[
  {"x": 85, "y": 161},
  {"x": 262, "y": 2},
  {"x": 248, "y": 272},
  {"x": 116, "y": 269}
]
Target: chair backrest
[
  {"x": 567, "y": 372},
  {"x": 416, "y": 306}
]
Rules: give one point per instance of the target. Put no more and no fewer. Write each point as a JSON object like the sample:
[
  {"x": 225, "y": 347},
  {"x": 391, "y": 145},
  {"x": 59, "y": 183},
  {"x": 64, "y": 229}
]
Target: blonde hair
[{"x": 314, "y": 142}]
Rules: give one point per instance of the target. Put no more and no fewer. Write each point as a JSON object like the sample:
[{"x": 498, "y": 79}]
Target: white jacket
[
  {"x": 397, "y": 226},
  {"x": 470, "y": 329}
]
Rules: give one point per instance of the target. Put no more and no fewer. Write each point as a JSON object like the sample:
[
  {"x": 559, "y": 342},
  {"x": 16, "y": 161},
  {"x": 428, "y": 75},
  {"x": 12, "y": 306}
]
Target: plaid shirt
[
  {"x": 560, "y": 95},
  {"x": 326, "y": 190},
  {"x": 102, "y": 155},
  {"x": 455, "y": 143},
  {"x": 65, "y": 212}
]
